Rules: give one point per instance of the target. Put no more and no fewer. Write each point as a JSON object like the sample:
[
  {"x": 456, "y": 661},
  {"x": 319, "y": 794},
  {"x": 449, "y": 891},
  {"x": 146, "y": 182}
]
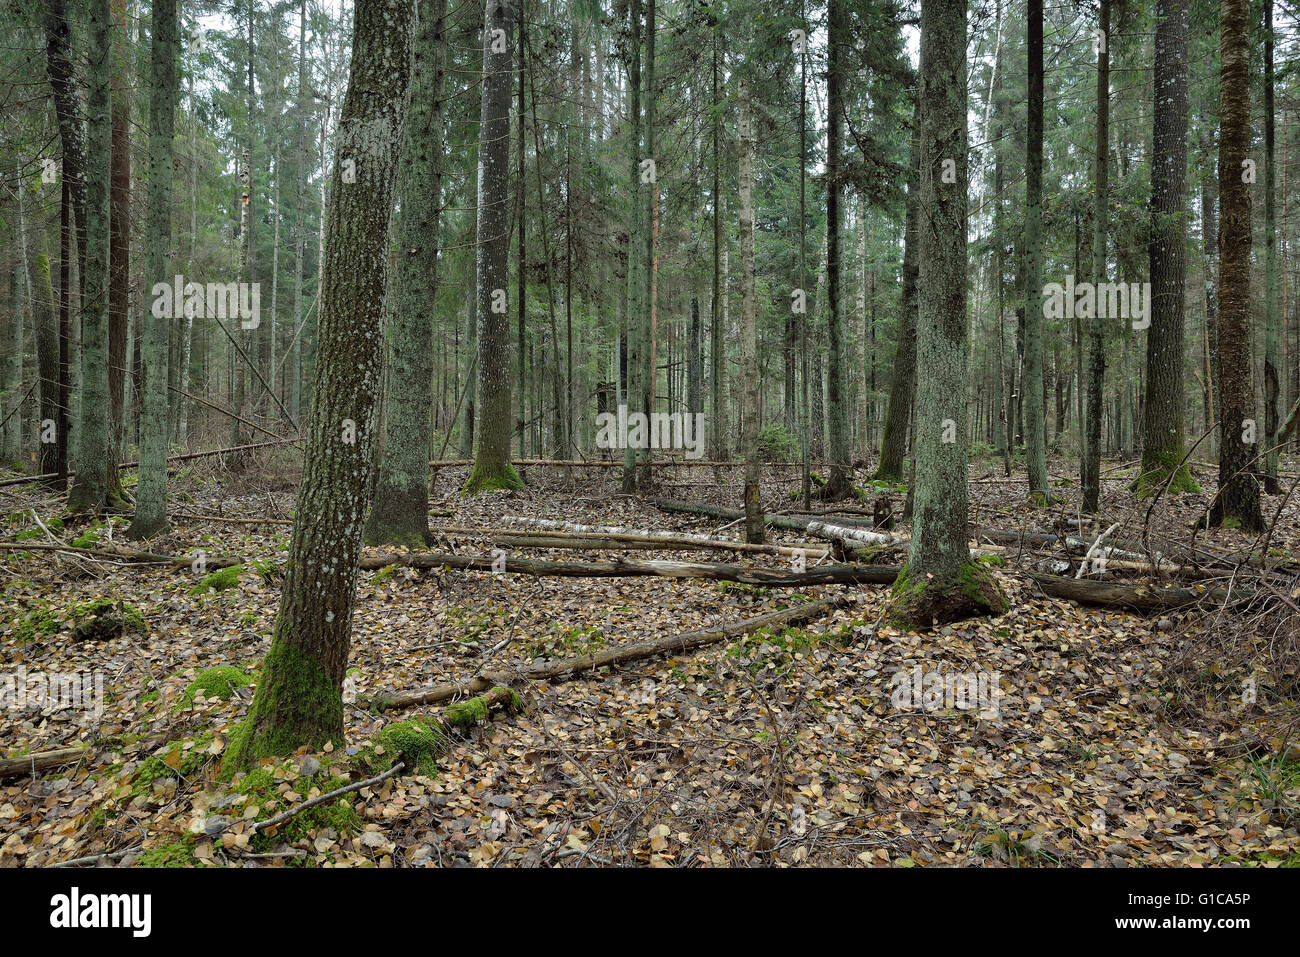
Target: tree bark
[
  {"x": 400, "y": 511},
  {"x": 151, "y": 491},
  {"x": 748, "y": 328},
  {"x": 1238, "y": 499},
  {"x": 299, "y": 697}
]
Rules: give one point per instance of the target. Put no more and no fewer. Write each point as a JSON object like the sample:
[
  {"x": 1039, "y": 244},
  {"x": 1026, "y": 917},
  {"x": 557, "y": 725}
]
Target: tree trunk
[
  {"x": 1238, "y": 500},
  {"x": 299, "y": 697},
  {"x": 902, "y": 386},
  {"x": 1091, "y": 459},
  {"x": 90, "y": 488},
  {"x": 400, "y": 511},
  {"x": 748, "y": 328},
  {"x": 838, "y": 481},
  {"x": 1272, "y": 379},
  {"x": 151, "y": 492},
  {"x": 940, "y": 582},
  {"x": 1162, "y": 421},
  {"x": 492, "y": 467},
  {"x": 1035, "y": 428}
]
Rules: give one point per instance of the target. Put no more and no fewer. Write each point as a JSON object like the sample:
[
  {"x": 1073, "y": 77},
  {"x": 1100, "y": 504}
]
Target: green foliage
[
  {"x": 103, "y": 618},
  {"x": 775, "y": 444},
  {"x": 414, "y": 742},
  {"x": 37, "y": 623},
  {"x": 219, "y": 682},
  {"x": 219, "y": 580}
]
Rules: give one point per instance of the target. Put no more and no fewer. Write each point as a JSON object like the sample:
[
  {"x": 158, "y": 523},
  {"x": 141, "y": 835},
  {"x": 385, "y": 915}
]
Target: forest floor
[{"x": 1117, "y": 740}]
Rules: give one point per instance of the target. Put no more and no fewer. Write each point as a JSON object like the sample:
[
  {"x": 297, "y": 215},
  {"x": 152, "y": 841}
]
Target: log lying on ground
[
  {"x": 541, "y": 527},
  {"x": 621, "y": 654},
  {"x": 42, "y": 761},
  {"x": 1116, "y": 595},
  {"x": 211, "y": 563},
  {"x": 832, "y": 574},
  {"x": 842, "y": 532}
]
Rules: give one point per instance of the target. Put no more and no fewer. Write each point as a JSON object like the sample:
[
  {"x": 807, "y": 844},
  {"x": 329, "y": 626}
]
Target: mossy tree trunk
[
  {"x": 299, "y": 694},
  {"x": 400, "y": 511},
  {"x": 90, "y": 487},
  {"x": 1238, "y": 499},
  {"x": 1162, "y": 426},
  {"x": 151, "y": 493},
  {"x": 940, "y": 582},
  {"x": 492, "y": 468}
]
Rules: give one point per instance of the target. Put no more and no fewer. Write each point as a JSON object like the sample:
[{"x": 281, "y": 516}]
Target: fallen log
[
  {"x": 130, "y": 555},
  {"x": 1116, "y": 595},
  {"x": 42, "y": 761},
  {"x": 550, "y": 528},
  {"x": 551, "y": 670},
  {"x": 832, "y": 574},
  {"x": 846, "y": 531}
]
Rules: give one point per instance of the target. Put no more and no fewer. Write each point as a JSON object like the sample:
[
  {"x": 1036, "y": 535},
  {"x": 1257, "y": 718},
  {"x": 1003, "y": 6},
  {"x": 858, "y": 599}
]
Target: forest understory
[{"x": 1118, "y": 737}]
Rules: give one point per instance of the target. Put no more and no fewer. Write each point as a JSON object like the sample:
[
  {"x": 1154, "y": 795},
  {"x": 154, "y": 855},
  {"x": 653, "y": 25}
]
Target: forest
[{"x": 649, "y": 433}]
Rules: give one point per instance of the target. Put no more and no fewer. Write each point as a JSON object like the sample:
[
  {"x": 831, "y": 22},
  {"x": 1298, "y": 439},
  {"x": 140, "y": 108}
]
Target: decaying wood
[
  {"x": 621, "y": 654},
  {"x": 42, "y": 761}
]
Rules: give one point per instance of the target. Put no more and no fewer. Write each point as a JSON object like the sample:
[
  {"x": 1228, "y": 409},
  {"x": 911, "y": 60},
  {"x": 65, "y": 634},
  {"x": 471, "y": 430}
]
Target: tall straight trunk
[
  {"x": 717, "y": 335},
  {"x": 299, "y": 699},
  {"x": 838, "y": 481},
  {"x": 45, "y": 327},
  {"x": 694, "y": 361},
  {"x": 940, "y": 583},
  {"x": 1210, "y": 253},
  {"x": 521, "y": 226},
  {"x": 1091, "y": 460},
  {"x": 866, "y": 320},
  {"x": 20, "y": 308},
  {"x": 1035, "y": 426},
  {"x": 72, "y": 229},
  {"x": 299, "y": 219},
  {"x": 151, "y": 493},
  {"x": 1238, "y": 499},
  {"x": 635, "y": 384},
  {"x": 1272, "y": 379},
  {"x": 1162, "y": 407},
  {"x": 902, "y": 384},
  {"x": 492, "y": 468},
  {"x": 90, "y": 489},
  {"x": 748, "y": 327},
  {"x": 400, "y": 512},
  {"x": 649, "y": 327},
  {"x": 119, "y": 244}
]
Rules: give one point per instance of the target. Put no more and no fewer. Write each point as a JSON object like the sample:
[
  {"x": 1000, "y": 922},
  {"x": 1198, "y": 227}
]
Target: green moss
[
  {"x": 219, "y": 580},
  {"x": 219, "y": 682},
  {"x": 412, "y": 742},
  {"x": 1039, "y": 500},
  {"x": 176, "y": 761},
  {"x": 269, "y": 572},
  {"x": 38, "y": 623},
  {"x": 918, "y": 603},
  {"x": 179, "y": 854},
  {"x": 1159, "y": 468},
  {"x": 486, "y": 478},
  {"x": 28, "y": 535},
  {"x": 103, "y": 618},
  {"x": 296, "y": 705},
  {"x": 993, "y": 561},
  {"x": 90, "y": 538},
  {"x": 466, "y": 712}
]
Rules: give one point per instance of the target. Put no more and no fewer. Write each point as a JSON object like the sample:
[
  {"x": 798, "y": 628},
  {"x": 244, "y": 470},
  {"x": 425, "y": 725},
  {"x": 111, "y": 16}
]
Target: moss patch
[
  {"x": 38, "y": 623},
  {"x": 168, "y": 855},
  {"x": 488, "y": 477},
  {"x": 219, "y": 682},
  {"x": 920, "y": 603},
  {"x": 103, "y": 618},
  {"x": 296, "y": 705},
  {"x": 219, "y": 580},
  {"x": 413, "y": 742}
]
